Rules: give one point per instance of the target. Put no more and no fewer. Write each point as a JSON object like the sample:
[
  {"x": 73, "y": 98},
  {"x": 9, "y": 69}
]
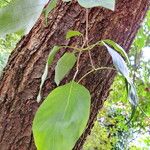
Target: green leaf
[
  {"x": 72, "y": 33},
  {"x": 132, "y": 94},
  {"x": 118, "y": 62},
  {"x": 121, "y": 66},
  {"x": 20, "y": 15},
  {"x": 64, "y": 65},
  {"x": 109, "y": 4},
  {"x": 52, "y": 54},
  {"x": 133, "y": 99},
  {"x": 62, "y": 117},
  {"x": 52, "y": 4},
  {"x": 44, "y": 76},
  {"x": 118, "y": 48}
]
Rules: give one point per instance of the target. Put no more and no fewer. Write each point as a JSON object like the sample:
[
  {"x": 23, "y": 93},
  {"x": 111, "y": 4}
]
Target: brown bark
[{"x": 20, "y": 81}]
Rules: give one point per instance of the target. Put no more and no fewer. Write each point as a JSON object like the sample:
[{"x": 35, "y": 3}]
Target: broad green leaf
[
  {"x": 109, "y": 4},
  {"x": 64, "y": 65},
  {"x": 50, "y": 7},
  {"x": 117, "y": 48},
  {"x": 72, "y": 33},
  {"x": 20, "y": 15},
  {"x": 62, "y": 117},
  {"x": 44, "y": 76}
]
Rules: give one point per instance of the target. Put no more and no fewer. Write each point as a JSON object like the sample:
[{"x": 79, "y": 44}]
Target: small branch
[
  {"x": 96, "y": 69},
  {"x": 87, "y": 26},
  {"x": 84, "y": 43},
  {"x": 86, "y": 75},
  {"x": 82, "y": 47},
  {"x": 87, "y": 38},
  {"x": 71, "y": 47},
  {"x": 77, "y": 67}
]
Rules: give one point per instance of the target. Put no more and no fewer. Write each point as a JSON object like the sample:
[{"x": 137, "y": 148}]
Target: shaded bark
[{"x": 20, "y": 81}]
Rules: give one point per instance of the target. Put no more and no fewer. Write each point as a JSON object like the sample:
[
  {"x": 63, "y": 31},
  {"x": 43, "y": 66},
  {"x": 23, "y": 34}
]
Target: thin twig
[
  {"x": 84, "y": 43},
  {"x": 71, "y": 47},
  {"x": 96, "y": 69},
  {"x": 77, "y": 67},
  {"x": 87, "y": 38},
  {"x": 87, "y": 26}
]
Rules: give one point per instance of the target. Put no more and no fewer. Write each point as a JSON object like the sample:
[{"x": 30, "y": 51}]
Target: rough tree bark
[{"x": 20, "y": 81}]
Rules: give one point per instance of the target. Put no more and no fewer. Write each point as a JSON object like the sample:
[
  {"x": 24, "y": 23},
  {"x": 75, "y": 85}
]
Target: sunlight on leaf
[{"x": 62, "y": 117}]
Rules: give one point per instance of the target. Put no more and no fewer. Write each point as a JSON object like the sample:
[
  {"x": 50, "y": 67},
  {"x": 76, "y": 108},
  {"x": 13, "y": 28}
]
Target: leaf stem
[{"x": 89, "y": 47}]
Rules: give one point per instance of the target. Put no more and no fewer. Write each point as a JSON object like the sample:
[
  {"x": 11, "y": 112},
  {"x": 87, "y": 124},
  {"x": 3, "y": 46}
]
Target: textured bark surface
[{"x": 20, "y": 81}]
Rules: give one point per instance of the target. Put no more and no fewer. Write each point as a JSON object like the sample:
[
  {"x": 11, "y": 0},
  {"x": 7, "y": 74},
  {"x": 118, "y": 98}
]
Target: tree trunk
[{"x": 19, "y": 84}]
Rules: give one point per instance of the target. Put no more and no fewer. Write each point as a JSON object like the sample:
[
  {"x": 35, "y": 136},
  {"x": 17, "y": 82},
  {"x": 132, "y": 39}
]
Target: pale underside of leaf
[
  {"x": 121, "y": 66},
  {"x": 118, "y": 62},
  {"x": 50, "y": 59},
  {"x": 44, "y": 76},
  {"x": 117, "y": 48}
]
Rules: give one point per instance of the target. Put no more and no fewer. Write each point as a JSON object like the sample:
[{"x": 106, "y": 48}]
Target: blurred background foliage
[
  {"x": 8, "y": 43},
  {"x": 111, "y": 130}
]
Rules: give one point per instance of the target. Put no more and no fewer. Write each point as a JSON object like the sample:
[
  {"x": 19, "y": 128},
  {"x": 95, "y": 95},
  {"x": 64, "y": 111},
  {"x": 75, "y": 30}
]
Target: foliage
[
  {"x": 112, "y": 119},
  {"x": 52, "y": 127},
  {"x": 64, "y": 65},
  {"x": 6, "y": 46}
]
